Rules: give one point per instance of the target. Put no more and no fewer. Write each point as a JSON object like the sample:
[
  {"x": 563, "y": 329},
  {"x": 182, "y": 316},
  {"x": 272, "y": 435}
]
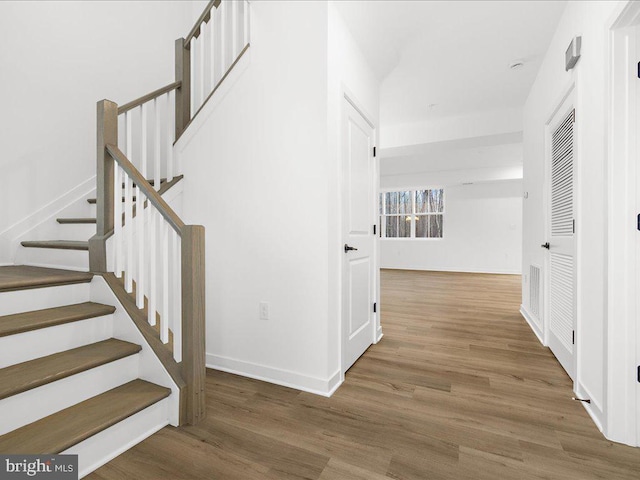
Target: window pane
[
  {"x": 436, "y": 201},
  {"x": 429, "y": 226},
  {"x": 405, "y": 202},
  {"x": 391, "y": 202},
  {"x": 422, "y": 226},
  {"x": 397, "y": 226},
  {"x": 421, "y": 201},
  {"x": 381, "y": 204},
  {"x": 405, "y": 226},
  {"x": 435, "y": 226},
  {"x": 391, "y": 227}
]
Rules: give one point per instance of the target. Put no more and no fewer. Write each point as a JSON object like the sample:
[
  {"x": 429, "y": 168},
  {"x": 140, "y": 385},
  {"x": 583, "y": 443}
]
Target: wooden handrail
[
  {"x": 156, "y": 200},
  {"x": 204, "y": 17},
  {"x": 148, "y": 97}
]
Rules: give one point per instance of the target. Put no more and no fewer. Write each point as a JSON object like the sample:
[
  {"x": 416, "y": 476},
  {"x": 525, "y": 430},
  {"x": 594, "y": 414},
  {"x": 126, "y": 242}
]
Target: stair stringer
[{"x": 151, "y": 368}]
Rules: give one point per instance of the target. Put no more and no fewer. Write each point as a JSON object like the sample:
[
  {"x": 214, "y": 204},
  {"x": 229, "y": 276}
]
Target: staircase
[
  {"x": 65, "y": 377},
  {"x": 102, "y": 316}
]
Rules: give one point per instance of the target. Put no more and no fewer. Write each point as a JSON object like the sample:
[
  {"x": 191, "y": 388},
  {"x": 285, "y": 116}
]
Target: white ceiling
[{"x": 455, "y": 54}]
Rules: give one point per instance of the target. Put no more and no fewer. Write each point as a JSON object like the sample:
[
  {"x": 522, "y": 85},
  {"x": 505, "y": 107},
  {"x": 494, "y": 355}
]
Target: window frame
[{"x": 383, "y": 215}]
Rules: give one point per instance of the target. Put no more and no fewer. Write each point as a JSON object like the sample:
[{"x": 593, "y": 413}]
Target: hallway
[{"x": 458, "y": 388}]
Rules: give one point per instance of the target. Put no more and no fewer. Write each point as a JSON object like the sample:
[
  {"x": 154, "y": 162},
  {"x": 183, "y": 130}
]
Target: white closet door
[{"x": 561, "y": 302}]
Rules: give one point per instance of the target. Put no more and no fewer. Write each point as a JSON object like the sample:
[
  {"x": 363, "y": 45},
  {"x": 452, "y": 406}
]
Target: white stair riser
[
  {"x": 54, "y": 258},
  {"x": 37, "y": 403},
  {"x": 74, "y": 231},
  {"x": 27, "y": 346},
  {"x": 21, "y": 301},
  {"x": 108, "y": 444}
]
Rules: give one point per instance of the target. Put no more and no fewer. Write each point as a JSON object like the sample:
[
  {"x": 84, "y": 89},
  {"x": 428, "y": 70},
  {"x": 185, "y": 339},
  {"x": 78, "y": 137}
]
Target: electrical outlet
[{"x": 264, "y": 311}]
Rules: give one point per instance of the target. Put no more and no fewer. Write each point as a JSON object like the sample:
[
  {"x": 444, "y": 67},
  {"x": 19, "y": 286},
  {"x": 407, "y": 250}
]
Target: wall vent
[{"x": 534, "y": 291}]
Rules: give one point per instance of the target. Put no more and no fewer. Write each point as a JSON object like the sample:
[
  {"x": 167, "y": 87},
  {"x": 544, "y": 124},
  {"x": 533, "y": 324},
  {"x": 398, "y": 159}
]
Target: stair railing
[
  {"x": 159, "y": 259},
  {"x": 157, "y": 256},
  {"x": 207, "y": 54}
]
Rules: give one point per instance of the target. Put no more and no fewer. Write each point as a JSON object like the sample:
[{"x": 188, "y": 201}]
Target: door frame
[
  {"x": 622, "y": 242},
  {"x": 563, "y": 105},
  {"x": 376, "y": 333}
]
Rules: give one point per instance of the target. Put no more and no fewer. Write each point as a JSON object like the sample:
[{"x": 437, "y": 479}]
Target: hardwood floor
[{"x": 458, "y": 388}]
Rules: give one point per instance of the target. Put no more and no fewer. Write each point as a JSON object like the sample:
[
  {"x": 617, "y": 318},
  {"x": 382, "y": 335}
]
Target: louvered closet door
[{"x": 561, "y": 304}]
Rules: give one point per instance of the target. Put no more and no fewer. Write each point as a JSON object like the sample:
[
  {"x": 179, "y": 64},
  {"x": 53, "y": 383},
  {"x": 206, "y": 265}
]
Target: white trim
[
  {"x": 286, "y": 378},
  {"x": 9, "y": 238},
  {"x": 622, "y": 337},
  {"x": 529, "y": 318}
]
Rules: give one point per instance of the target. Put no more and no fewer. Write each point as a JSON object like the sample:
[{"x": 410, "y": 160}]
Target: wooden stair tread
[
  {"x": 68, "y": 427},
  {"x": 20, "y": 277},
  {"x": 58, "y": 244},
  {"x": 76, "y": 220},
  {"x": 35, "y": 373},
  {"x": 49, "y": 317}
]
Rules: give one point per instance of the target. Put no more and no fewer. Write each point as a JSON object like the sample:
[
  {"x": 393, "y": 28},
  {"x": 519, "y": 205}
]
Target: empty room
[{"x": 324, "y": 240}]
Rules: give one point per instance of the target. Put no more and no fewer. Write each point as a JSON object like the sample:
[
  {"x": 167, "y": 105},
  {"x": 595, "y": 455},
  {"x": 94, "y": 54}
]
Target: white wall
[
  {"x": 256, "y": 178},
  {"x": 261, "y": 174},
  {"x": 482, "y": 232},
  {"x": 590, "y": 20},
  {"x": 57, "y": 60}
]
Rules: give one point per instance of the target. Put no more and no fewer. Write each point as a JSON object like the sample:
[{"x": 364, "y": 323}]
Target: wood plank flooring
[{"x": 458, "y": 388}]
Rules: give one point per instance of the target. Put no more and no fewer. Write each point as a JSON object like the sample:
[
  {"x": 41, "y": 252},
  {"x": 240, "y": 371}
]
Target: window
[{"x": 412, "y": 214}]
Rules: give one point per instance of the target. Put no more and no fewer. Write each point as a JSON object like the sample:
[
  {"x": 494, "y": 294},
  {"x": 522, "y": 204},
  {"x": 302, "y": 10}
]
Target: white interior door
[
  {"x": 357, "y": 249},
  {"x": 561, "y": 278}
]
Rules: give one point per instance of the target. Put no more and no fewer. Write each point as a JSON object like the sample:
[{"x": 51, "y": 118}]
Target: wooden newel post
[
  {"x": 183, "y": 94},
  {"x": 107, "y": 134},
  {"x": 193, "y": 321}
]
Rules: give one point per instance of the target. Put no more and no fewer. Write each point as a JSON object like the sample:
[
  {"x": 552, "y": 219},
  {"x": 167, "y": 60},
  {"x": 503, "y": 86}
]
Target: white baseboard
[
  {"x": 286, "y": 378},
  {"x": 529, "y": 318},
  {"x": 454, "y": 270},
  {"x": 10, "y": 237},
  {"x": 379, "y": 334}
]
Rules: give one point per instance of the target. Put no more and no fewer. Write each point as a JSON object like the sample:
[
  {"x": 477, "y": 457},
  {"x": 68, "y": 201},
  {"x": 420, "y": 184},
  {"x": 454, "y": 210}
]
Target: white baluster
[
  {"x": 202, "y": 44},
  {"x": 140, "y": 233},
  {"x": 165, "y": 314},
  {"x": 223, "y": 38},
  {"x": 245, "y": 29},
  {"x": 128, "y": 118},
  {"x": 169, "y": 136},
  {"x": 153, "y": 261},
  {"x": 117, "y": 221},
  {"x": 212, "y": 50},
  {"x": 234, "y": 30},
  {"x": 177, "y": 297},
  {"x": 128, "y": 227},
  {"x": 156, "y": 150},
  {"x": 144, "y": 149},
  {"x": 177, "y": 168}
]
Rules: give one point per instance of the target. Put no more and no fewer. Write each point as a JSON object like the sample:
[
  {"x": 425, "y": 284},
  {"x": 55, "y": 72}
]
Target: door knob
[
  {"x": 347, "y": 248},
  {"x": 546, "y": 245}
]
